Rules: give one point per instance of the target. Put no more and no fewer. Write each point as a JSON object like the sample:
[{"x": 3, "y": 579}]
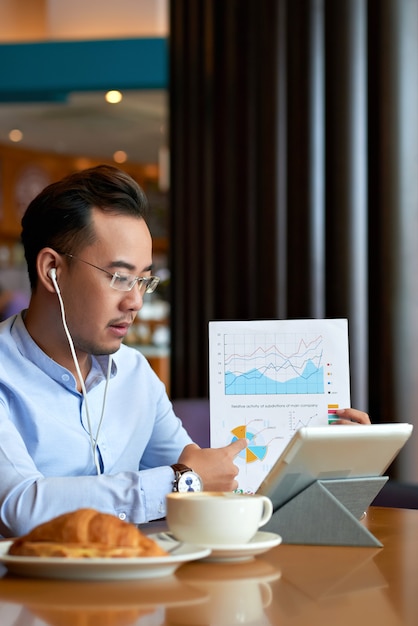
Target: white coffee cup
[{"x": 212, "y": 518}]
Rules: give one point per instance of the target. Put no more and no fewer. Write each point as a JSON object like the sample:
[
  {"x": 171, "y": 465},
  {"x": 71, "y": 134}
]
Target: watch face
[{"x": 189, "y": 481}]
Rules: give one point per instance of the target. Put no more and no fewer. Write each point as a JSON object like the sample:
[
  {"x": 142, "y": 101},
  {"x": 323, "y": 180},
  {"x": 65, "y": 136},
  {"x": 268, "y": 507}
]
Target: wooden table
[{"x": 290, "y": 585}]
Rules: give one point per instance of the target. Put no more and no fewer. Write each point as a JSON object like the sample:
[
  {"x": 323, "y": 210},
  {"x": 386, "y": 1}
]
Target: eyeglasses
[{"x": 125, "y": 282}]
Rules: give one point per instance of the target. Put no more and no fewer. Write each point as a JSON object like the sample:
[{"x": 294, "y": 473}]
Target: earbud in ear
[{"x": 52, "y": 273}]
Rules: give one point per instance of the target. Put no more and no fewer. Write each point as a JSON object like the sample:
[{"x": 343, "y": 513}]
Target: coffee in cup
[{"x": 216, "y": 518}]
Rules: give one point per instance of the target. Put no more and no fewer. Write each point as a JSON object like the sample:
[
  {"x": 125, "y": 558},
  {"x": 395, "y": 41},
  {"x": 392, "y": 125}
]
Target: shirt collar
[{"x": 31, "y": 351}]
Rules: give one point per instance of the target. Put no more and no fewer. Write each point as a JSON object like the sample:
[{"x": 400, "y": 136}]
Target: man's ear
[{"x": 48, "y": 266}]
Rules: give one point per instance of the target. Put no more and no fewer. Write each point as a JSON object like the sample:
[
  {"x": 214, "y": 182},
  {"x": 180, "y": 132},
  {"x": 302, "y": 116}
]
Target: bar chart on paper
[{"x": 269, "y": 378}]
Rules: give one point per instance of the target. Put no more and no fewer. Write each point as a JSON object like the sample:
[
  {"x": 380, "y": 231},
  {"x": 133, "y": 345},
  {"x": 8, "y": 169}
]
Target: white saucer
[
  {"x": 261, "y": 542},
  {"x": 101, "y": 568}
]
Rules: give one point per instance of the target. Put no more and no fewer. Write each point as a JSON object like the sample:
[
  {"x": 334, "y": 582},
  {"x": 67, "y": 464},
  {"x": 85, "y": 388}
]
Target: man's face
[{"x": 98, "y": 316}]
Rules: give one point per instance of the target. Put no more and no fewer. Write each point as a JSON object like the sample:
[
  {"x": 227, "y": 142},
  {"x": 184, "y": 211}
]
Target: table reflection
[
  {"x": 237, "y": 593},
  {"x": 331, "y": 585},
  {"x": 199, "y": 593},
  {"x": 70, "y": 603}
]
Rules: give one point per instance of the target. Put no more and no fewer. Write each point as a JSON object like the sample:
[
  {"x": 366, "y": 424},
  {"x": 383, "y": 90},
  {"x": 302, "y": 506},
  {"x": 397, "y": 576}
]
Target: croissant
[{"x": 86, "y": 533}]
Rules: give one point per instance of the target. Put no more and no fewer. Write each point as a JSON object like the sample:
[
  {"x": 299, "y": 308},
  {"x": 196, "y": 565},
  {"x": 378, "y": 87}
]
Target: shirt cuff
[{"x": 155, "y": 485}]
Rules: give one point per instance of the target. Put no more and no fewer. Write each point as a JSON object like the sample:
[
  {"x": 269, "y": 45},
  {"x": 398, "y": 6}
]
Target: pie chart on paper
[{"x": 254, "y": 451}]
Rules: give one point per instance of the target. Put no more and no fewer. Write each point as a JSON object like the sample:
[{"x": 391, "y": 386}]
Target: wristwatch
[{"x": 186, "y": 479}]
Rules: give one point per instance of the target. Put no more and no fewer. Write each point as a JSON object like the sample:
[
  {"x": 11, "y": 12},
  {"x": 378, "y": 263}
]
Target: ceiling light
[
  {"x": 113, "y": 96},
  {"x": 15, "y": 135},
  {"x": 120, "y": 156}
]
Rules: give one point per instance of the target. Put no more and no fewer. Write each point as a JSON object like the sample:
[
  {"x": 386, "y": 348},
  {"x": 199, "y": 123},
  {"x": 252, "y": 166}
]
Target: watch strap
[{"x": 180, "y": 468}]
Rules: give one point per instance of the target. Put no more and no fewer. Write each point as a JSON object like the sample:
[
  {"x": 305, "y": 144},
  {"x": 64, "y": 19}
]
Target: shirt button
[
  {"x": 65, "y": 377},
  {"x": 122, "y": 515}
]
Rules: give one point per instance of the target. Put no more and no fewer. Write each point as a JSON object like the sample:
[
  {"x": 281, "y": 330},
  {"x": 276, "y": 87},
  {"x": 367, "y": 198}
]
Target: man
[{"x": 84, "y": 421}]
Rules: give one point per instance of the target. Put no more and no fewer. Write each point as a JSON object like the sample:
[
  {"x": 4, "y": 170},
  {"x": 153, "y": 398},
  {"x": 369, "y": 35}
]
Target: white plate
[
  {"x": 100, "y": 568},
  {"x": 261, "y": 542}
]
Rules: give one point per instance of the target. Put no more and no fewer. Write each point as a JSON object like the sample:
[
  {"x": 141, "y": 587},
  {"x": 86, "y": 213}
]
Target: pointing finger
[{"x": 237, "y": 445}]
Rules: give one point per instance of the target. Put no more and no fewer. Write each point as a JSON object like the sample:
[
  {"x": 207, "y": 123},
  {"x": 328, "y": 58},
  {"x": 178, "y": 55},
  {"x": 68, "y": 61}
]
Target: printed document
[{"x": 269, "y": 378}]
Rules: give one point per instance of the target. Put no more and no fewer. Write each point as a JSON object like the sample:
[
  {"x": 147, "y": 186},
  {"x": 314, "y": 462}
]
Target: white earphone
[{"x": 52, "y": 273}]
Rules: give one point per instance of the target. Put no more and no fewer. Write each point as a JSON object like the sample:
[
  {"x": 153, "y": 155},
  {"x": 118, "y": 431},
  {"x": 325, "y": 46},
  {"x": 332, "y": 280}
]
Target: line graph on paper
[
  {"x": 298, "y": 419},
  {"x": 273, "y": 363}
]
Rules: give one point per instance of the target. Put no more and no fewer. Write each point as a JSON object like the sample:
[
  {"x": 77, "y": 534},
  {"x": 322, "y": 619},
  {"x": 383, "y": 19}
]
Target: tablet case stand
[{"x": 327, "y": 512}]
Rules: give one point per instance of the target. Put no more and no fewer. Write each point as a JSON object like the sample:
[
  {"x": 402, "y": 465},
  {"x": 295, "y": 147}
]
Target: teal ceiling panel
[{"x": 50, "y": 70}]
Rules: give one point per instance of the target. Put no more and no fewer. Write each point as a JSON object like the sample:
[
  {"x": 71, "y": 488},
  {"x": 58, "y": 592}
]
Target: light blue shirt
[{"x": 46, "y": 461}]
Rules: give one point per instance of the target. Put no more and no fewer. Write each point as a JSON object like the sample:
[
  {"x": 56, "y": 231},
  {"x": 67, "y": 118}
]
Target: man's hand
[
  {"x": 351, "y": 416},
  {"x": 215, "y": 466}
]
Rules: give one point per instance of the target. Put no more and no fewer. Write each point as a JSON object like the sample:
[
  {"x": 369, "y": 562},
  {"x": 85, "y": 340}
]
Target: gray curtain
[{"x": 294, "y": 182}]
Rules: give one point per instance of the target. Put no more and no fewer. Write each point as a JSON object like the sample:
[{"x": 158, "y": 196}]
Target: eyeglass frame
[{"x": 150, "y": 282}]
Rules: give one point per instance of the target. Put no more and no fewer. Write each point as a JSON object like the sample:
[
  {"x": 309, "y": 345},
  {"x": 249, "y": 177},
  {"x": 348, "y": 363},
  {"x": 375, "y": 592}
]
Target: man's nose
[{"x": 134, "y": 299}]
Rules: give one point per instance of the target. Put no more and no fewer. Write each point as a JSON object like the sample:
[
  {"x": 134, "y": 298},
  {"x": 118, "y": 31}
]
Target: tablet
[{"x": 332, "y": 452}]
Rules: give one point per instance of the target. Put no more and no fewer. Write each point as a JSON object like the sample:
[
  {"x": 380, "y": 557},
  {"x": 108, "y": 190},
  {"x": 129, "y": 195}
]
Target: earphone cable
[{"x": 93, "y": 440}]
